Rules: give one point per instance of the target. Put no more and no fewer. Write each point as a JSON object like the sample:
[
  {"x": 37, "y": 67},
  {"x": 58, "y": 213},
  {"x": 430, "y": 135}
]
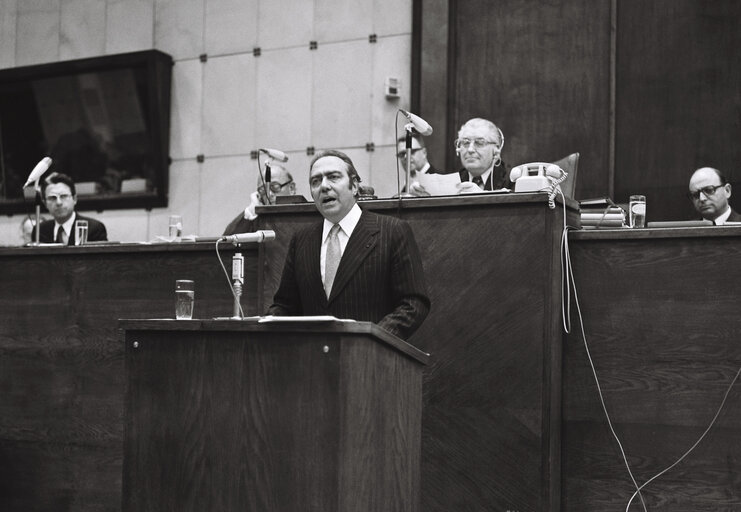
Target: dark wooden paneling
[
  {"x": 61, "y": 361},
  {"x": 541, "y": 72},
  {"x": 432, "y": 98},
  {"x": 678, "y": 99},
  {"x": 491, "y": 396},
  {"x": 268, "y": 420},
  {"x": 662, "y": 322}
]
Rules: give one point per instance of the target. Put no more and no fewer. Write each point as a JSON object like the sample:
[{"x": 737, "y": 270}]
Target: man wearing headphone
[{"x": 479, "y": 146}]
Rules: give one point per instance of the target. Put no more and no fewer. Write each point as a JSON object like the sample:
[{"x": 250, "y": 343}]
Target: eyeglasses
[
  {"x": 708, "y": 191},
  {"x": 53, "y": 198},
  {"x": 477, "y": 143},
  {"x": 403, "y": 152},
  {"x": 276, "y": 187}
]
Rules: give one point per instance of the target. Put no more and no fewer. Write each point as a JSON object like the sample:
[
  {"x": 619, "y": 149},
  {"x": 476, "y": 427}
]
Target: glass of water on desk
[
  {"x": 80, "y": 232},
  {"x": 184, "y": 299},
  {"x": 175, "y": 227},
  {"x": 637, "y": 211}
]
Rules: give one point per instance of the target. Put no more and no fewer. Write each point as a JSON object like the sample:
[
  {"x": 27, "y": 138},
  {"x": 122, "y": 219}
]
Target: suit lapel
[
  {"x": 311, "y": 258},
  {"x": 362, "y": 242}
]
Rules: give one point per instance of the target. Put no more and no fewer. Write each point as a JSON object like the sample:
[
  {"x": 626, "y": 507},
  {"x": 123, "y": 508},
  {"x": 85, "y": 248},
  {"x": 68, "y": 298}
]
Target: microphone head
[
  {"x": 419, "y": 124},
  {"x": 38, "y": 171},
  {"x": 275, "y": 154}
]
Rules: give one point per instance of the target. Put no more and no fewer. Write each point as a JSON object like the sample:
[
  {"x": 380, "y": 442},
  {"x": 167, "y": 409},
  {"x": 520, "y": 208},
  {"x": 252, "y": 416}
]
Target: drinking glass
[
  {"x": 184, "y": 299},
  {"x": 80, "y": 232},
  {"x": 637, "y": 211},
  {"x": 175, "y": 227}
]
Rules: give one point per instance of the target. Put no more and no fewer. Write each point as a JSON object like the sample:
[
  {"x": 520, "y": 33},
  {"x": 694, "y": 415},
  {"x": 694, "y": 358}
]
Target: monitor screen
[{"x": 104, "y": 121}]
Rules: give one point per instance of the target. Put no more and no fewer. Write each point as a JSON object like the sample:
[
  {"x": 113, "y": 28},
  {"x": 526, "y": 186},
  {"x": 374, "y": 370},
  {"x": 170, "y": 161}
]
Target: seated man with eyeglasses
[
  {"x": 479, "y": 146},
  {"x": 418, "y": 162},
  {"x": 60, "y": 197},
  {"x": 281, "y": 184},
  {"x": 709, "y": 192}
]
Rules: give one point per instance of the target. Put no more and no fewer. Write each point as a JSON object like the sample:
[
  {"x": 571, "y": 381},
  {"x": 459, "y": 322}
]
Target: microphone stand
[
  {"x": 238, "y": 277},
  {"x": 37, "y": 234},
  {"x": 409, "y": 127}
]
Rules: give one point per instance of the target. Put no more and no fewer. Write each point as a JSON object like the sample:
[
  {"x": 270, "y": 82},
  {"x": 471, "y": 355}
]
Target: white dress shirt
[
  {"x": 67, "y": 226},
  {"x": 347, "y": 226},
  {"x": 723, "y": 217}
]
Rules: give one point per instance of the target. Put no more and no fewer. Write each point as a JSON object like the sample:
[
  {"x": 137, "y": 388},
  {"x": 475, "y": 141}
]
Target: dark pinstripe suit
[{"x": 380, "y": 278}]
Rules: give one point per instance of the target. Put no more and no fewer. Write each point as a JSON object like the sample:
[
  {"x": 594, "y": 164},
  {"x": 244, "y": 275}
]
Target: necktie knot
[
  {"x": 478, "y": 181},
  {"x": 60, "y": 235}
]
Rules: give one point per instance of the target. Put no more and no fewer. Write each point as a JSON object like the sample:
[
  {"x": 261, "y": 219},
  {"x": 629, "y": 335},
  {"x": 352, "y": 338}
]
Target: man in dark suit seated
[
  {"x": 60, "y": 197},
  {"x": 281, "y": 184},
  {"x": 709, "y": 192},
  {"x": 479, "y": 146},
  {"x": 353, "y": 264}
]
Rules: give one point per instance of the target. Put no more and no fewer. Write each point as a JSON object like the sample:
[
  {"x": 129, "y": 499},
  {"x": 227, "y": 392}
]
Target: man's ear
[{"x": 728, "y": 189}]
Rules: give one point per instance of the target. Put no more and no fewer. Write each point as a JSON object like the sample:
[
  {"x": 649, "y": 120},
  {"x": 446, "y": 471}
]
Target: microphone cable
[
  {"x": 568, "y": 283},
  {"x": 228, "y": 279}
]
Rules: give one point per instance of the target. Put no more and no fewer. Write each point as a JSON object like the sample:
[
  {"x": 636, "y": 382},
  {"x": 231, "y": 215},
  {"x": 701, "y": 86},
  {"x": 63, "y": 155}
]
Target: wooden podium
[{"x": 238, "y": 415}]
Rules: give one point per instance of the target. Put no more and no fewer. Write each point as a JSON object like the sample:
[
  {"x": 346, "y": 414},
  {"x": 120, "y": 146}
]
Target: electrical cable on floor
[{"x": 568, "y": 283}]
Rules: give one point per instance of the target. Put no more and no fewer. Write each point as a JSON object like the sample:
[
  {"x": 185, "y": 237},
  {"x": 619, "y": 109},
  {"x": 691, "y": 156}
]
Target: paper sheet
[
  {"x": 317, "y": 318},
  {"x": 439, "y": 184}
]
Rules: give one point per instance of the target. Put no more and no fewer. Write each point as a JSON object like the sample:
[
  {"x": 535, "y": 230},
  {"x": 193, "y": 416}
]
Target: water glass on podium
[
  {"x": 184, "y": 299},
  {"x": 80, "y": 232},
  {"x": 637, "y": 208}
]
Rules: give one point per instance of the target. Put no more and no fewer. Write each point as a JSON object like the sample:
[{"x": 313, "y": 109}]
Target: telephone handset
[{"x": 538, "y": 177}]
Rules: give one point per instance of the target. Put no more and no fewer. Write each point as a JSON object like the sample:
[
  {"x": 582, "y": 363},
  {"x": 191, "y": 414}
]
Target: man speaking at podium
[{"x": 355, "y": 264}]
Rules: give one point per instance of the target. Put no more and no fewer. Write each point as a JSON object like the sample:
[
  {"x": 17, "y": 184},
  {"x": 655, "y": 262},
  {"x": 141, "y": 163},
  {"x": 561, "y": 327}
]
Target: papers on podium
[
  {"x": 272, "y": 319},
  {"x": 315, "y": 318},
  {"x": 439, "y": 184}
]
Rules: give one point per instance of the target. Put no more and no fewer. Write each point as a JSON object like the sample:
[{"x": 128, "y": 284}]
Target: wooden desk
[
  {"x": 662, "y": 317},
  {"x": 240, "y": 416},
  {"x": 492, "y": 402},
  {"x": 62, "y": 366}
]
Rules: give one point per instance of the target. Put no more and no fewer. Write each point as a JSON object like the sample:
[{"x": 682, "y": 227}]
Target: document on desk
[
  {"x": 440, "y": 184},
  {"x": 315, "y": 318}
]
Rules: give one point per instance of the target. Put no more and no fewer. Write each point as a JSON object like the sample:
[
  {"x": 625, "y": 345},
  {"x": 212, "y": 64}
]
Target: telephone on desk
[{"x": 538, "y": 177}]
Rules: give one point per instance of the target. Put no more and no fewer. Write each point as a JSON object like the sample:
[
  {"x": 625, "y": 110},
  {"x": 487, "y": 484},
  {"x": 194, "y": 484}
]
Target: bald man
[{"x": 709, "y": 192}]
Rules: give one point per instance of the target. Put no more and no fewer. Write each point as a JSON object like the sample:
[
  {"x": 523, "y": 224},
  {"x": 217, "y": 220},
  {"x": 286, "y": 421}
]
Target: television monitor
[{"x": 104, "y": 121}]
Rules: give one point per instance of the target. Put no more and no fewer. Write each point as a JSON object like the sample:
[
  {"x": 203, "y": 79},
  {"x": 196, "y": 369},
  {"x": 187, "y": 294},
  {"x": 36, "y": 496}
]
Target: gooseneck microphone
[
  {"x": 38, "y": 171},
  {"x": 422, "y": 126},
  {"x": 275, "y": 154},
  {"x": 260, "y": 236}
]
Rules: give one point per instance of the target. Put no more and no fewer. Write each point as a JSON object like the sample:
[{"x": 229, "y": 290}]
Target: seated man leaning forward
[
  {"x": 60, "y": 198},
  {"x": 709, "y": 193},
  {"x": 281, "y": 184},
  {"x": 479, "y": 146},
  {"x": 353, "y": 264}
]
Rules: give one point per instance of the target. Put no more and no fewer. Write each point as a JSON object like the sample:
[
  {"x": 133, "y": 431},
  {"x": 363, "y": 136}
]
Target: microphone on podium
[
  {"x": 38, "y": 171},
  {"x": 422, "y": 126},
  {"x": 275, "y": 154},
  {"x": 259, "y": 236}
]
